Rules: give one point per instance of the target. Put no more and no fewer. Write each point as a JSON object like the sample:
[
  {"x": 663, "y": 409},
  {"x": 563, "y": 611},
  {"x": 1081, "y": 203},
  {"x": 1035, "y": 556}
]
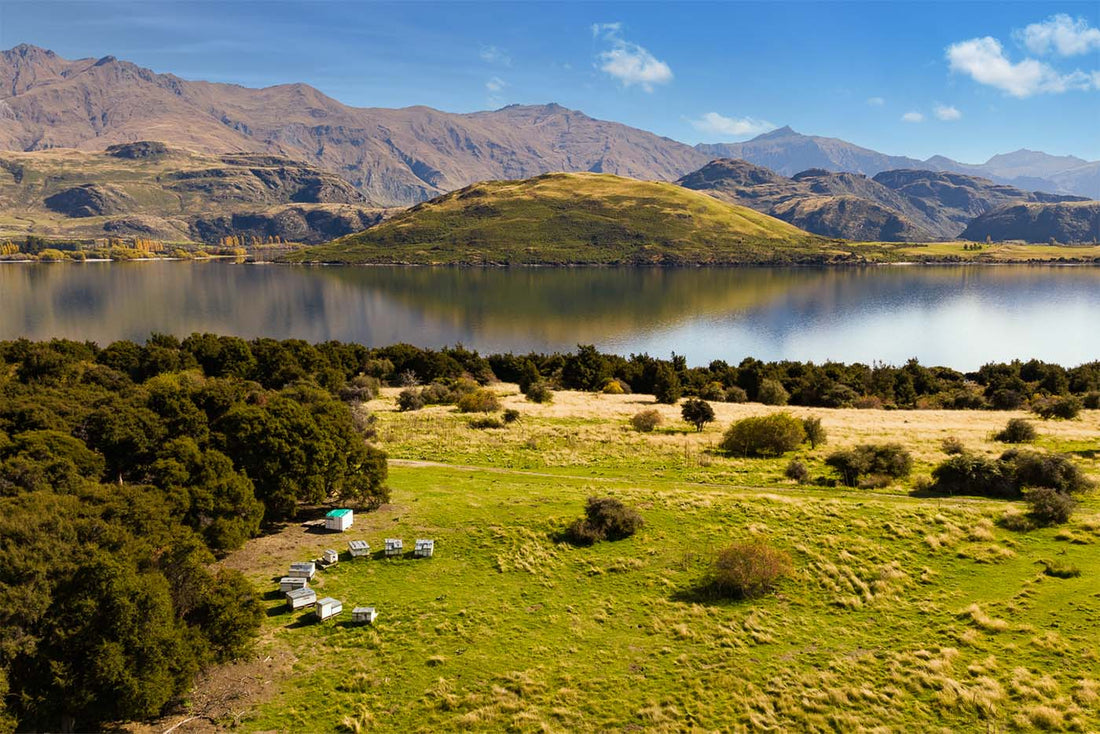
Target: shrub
[
  {"x": 1048, "y": 506},
  {"x": 1037, "y": 469},
  {"x": 605, "y": 518},
  {"x": 360, "y": 389},
  {"x": 974, "y": 475},
  {"x": 867, "y": 402},
  {"x": 1017, "y": 430},
  {"x": 768, "y": 435},
  {"x": 747, "y": 570},
  {"x": 478, "y": 401},
  {"x": 511, "y": 415},
  {"x": 736, "y": 394},
  {"x": 952, "y": 446},
  {"x": 1092, "y": 400},
  {"x": 487, "y": 421},
  {"x": 886, "y": 460},
  {"x": 1066, "y": 408},
  {"x": 539, "y": 392},
  {"x": 697, "y": 412},
  {"x": 645, "y": 421},
  {"x": 613, "y": 387},
  {"x": 815, "y": 432},
  {"x": 772, "y": 392},
  {"x": 797, "y": 471},
  {"x": 713, "y": 391},
  {"x": 409, "y": 399}
]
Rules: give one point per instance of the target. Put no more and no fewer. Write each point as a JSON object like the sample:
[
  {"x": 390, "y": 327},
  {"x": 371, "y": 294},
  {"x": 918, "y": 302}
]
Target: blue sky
[{"x": 966, "y": 80}]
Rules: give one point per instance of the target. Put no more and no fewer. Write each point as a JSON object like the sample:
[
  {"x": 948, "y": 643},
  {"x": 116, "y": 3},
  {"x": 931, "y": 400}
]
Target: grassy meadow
[{"x": 902, "y": 613}]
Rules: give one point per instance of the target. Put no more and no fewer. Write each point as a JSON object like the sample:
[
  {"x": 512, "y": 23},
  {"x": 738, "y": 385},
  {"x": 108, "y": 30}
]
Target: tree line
[{"x": 124, "y": 472}]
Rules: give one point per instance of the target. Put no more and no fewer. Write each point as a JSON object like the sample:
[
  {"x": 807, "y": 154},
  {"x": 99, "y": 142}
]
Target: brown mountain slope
[
  {"x": 894, "y": 206},
  {"x": 1071, "y": 223},
  {"x": 392, "y": 156},
  {"x": 845, "y": 205},
  {"x": 154, "y": 190}
]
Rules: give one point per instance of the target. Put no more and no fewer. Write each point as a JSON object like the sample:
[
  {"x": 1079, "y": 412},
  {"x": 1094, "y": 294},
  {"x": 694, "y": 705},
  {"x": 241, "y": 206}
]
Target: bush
[
  {"x": 539, "y": 392},
  {"x": 772, "y": 392},
  {"x": 952, "y": 446},
  {"x": 646, "y": 420},
  {"x": 478, "y": 401},
  {"x": 1060, "y": 570},
  {"x": 1066, "y": 408},
  {"x": 666, "y": 385},
  {"x": 1048, "y": 506},
  {"x": 1017, "y": 430},
  {"x": 735, "y": 394},
  {"x": 885, "y": 460},
  {"x": 511, "y": 415},
  {"x": 797, "y": 471},
  {"x": 1091, "y": 401},
  {"x": 713, "y": 391},
  {"x": 1037, "y": 469},
  {"x": 697, "y": 412},
  {"x": 410, "y": 399},
  {"x": 815, "y": 432},
  {"x": 605, "y": 518},
  {"x": 747, "y": 570},
  {"x": 975, "y": 476},
  {"x": 486, "y": 422},
  {"x": 615, "y": 387},
  {"x": 360, "y": 389},
  {"x": 769, "y": 435}
]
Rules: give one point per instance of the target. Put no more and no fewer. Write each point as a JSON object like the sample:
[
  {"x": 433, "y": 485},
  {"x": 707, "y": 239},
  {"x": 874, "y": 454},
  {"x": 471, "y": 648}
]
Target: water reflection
[{"x": 961, "y": 316}]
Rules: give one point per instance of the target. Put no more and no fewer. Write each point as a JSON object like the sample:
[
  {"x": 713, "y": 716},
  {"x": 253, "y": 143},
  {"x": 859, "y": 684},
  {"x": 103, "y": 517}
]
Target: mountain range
[
  {"x": 397, "y": 157},
  {"x": 902, "y": 205}
]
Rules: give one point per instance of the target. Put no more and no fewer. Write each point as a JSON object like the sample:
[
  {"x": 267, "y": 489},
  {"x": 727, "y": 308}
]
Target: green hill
[{"x": 577, "y": 218}]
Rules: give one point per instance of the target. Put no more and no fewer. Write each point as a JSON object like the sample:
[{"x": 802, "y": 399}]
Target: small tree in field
[
  {"x": 772, "y": 392},
  {"x": 815, "y": 432},
  {"x": 697, "y": 412}
]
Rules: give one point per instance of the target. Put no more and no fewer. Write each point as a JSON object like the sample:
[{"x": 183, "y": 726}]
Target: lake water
[{"x": 961, "y": 316}]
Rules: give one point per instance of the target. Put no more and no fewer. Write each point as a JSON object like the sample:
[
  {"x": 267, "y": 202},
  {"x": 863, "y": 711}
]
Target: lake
[{"x": 960, "y": 316}]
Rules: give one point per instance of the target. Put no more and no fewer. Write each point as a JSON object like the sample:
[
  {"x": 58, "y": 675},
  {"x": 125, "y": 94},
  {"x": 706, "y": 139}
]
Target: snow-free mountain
[{"x": 402, "y": 156}]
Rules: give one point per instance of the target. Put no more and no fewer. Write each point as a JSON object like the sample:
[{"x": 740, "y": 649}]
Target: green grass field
[{"x": 903, "y": 614}]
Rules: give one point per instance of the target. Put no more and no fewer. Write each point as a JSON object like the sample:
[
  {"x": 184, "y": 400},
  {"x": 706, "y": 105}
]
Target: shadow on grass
[{"x": 710, "y": 595}]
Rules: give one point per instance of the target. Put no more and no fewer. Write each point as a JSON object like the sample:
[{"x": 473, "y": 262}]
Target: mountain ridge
[{"x": 402, "y": 156}]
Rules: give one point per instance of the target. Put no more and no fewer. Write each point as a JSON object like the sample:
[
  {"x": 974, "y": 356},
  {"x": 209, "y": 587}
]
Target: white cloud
[
  {"x": 876, "y": 101},
  {"x": 912, "y": 117},
  {"x": 947, "y": 112},
  {"x": 1060, "y": 33},
  {"x": 628, "y": 62},
  {"x": 494, "y": 55},
  {"x": 984, "y": 60},
  {"x": 731, "y": 127},
  {"x": 495, "y": 84}
]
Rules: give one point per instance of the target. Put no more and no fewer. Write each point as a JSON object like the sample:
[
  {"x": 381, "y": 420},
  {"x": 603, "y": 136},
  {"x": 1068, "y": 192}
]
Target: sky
[{"x": 965, "y": 80}]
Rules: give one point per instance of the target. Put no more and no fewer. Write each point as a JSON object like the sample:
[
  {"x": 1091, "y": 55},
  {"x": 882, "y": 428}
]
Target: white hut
[
  {"x": 394, "y": 546},
  {"x": 304, "y": 569},
  {"x": 327, "y": 608},
  {"x": 358, "y": 548},
  {"x": 329, "y": 557},
  {"x": 424, "y": 548},
  {"x": 290, "y": 583},
  {"x": 363, "y": 615},
  {"x": 339, "y": 520},
  {"x": 299, "y": 598}
]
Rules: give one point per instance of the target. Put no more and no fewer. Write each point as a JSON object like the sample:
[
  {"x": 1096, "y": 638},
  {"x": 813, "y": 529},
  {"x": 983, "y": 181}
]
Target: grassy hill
[{"x": 577, "y": 218}]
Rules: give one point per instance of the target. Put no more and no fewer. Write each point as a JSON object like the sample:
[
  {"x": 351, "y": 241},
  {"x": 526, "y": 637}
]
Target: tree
[
  {"x": 772, "y": 392},
  {"x": 666, "y": 384},
  {"x": 585, "y": 370},
  {"x": 697, "y": 412},
  {"x": 815, "y": 432}
]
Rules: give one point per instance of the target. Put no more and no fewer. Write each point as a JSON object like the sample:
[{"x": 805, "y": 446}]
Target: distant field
[
  {"x": 903, "y": 614},
  {"x": 996, "y": 252}
]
